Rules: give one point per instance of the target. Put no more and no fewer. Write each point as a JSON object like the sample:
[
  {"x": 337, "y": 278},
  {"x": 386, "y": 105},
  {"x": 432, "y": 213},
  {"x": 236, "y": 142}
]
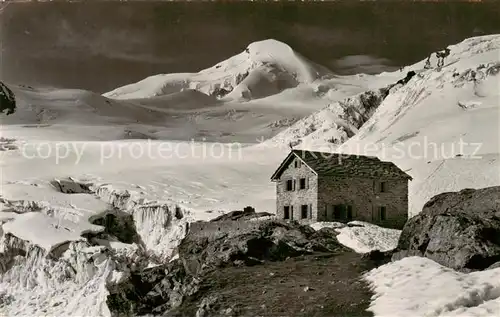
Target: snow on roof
[{"x": 343, "y": 165}]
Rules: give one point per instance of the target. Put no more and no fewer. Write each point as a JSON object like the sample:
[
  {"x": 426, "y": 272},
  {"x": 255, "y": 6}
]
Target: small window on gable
[
  {"x": 296, "y": 163},
  {"x": 289, "y": 185},
  {"x": 302, "y": 183},
  {"x": 303, "y": 211},
  {"x": 286, "y": 212},
  {"x": 382, "y": 213},
  {"x": 383, "y": 187}
]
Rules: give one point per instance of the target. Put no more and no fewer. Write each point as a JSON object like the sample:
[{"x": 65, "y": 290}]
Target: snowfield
[
  {"x": 416, "y": 286},
  {"x": 363, "y": 237},
  {"x": 176, "y": 148}
]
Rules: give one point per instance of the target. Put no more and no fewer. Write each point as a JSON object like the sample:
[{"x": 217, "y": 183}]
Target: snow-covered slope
[
  {"x": 263, "y": 69},
  {"x": 185, "y": 115},
  {"x": 417, "y": 286},
  {"x": 363, "y": 237}
]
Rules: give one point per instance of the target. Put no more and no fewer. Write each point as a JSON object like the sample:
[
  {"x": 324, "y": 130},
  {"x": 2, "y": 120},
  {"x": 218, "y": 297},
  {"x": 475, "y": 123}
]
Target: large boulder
[
  {"x": 268, "y": 241},
  {"x": 71, "y": 186},
  {"x": 460, "y": 230},
  {"x": 151, "y": 291},
  {"x": 7, "y": 100}
]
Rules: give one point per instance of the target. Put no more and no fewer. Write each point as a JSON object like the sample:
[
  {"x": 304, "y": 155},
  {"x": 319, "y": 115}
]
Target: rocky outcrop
[
  {"x": 246, "y": 214},
  {"x": 71, "y": 186},
  {"x": 335, "y": 123},
  {"x": 7, "y": 144},
  {"x": 118, "y": 224},
  {"x": 7, "y": 100},
  {"x": 161, "y": 225},
  {"x": 408, "y": 77},
  {"x": 271, "y": 241},
  {"x": 379, "y": 257},
  {"x": 460, "y": 230},
  {"x": 494, "y": 266},
  {"x": 12, "y": 248},
  {"x": 151, "y": 291},
  {"x": 160, "y": 289}
]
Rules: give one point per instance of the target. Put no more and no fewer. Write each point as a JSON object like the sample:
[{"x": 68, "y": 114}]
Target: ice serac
[
  {"x": 155, "y": 226},
  {"x": 161, "y": 225},
  {"x": 262, "y": 69},
  {"x": 50, "y": 265},
  {"x": 33, "y": 283},
  {"x": 334, "y": 124}
]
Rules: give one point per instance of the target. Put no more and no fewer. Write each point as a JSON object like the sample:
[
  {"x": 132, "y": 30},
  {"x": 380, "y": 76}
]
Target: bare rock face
[
  {"x": 494, "y": 266},
  {"x": 460, "y": 230},
  {"x": 245, "y": 214},
  {"x": 71, "y": 186},
  {"x": 118, "y": 224},
  {"x": 7, "y": 100},
  {"x": 14, "y": 247},
  {"x": 151, "y": 291},
  {"x": 270, "y": 241}
]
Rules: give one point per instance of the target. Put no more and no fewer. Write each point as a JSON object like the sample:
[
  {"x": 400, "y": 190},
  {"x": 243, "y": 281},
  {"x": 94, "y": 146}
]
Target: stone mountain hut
[{"x": 321, "y": 186}]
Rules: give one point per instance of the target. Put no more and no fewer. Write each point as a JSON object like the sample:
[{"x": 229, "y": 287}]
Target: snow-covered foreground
[{"x": 416, "y": 286}]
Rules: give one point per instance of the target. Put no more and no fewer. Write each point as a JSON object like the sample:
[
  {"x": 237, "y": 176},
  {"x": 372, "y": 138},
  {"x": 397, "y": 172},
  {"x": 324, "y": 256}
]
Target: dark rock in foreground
[
  {"x": 221, "y": 266},
  {"x": 7, "y": 100},
  {"x": 494, "y": 266},
  {"x": 460, "y": 230},
  {"x": 71, "y": 186},
  {"x": 214, "y": 245},
  {"x": 246, "y": 214}
]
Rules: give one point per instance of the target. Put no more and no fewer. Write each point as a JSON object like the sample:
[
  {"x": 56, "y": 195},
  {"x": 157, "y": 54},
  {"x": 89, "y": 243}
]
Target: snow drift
[{"x": 416, "y": 286}]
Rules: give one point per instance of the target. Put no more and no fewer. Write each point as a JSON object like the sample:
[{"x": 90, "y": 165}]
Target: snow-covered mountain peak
[
  {"x": 264, "y": 68},
  {"x": 274, "y": 53}
]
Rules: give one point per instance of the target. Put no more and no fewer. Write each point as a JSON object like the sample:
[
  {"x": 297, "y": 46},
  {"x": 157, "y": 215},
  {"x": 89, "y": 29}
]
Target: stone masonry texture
[{"x": 322, "y": 193}]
